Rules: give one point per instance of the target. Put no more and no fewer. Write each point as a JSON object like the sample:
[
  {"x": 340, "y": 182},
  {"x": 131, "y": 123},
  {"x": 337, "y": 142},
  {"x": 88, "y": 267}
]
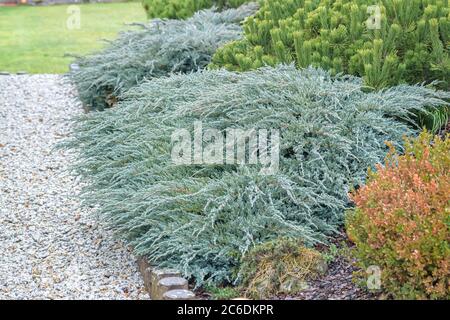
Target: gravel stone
[{"x": 50, "y": 247}]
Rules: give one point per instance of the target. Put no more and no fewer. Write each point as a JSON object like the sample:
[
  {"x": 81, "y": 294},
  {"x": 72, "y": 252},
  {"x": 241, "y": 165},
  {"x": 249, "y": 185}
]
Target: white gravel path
[{"x": 49, "y": 248}]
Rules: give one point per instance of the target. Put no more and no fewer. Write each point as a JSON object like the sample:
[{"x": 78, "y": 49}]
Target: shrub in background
[
  {"x": 412, "y": 45},
  {"x": 201, "y": 219},
  {"x": 181, "y": 9},
  {"x": 401, "y": 220},
  {"x": 160, "y": 48},
  {"x": 279, "y": 266}
]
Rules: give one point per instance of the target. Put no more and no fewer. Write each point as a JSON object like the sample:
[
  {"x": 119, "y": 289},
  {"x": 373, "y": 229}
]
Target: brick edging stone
[{"x": 164, "y": 284}]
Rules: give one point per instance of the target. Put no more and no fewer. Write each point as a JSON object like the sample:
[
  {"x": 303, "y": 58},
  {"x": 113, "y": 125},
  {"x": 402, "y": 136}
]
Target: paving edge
[{"x": 164, "y": 284}]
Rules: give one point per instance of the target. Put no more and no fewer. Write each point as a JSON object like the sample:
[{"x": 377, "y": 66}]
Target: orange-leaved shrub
[{"x": 402, "y": 218}]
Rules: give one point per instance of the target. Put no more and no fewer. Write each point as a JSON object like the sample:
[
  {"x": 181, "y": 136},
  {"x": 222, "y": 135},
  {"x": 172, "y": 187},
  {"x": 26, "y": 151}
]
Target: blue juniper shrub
[
  {"x": 201, "y": 219},
  {"x": 159, "y": 48}
]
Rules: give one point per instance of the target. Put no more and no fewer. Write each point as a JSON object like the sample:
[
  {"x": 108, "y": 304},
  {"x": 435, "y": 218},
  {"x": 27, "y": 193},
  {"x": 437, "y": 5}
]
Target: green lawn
[{"x": 35, "y": 39}]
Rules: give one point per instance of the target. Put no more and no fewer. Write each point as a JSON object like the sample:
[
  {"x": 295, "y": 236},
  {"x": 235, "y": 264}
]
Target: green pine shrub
[
  {"x": 401, "y": 220},
  {"x": 412, "y": 45},
  {"x": 201, "y": 219},
  {"x": 182, "y": 9},
  {"x": 160, "y": 48}
]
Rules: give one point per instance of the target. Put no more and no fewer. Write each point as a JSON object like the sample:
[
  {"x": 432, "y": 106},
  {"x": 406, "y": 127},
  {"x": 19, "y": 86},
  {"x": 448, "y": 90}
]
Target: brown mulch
[
  {"x": 445, "y": 130},
  {"x": 336, "y": 284}
]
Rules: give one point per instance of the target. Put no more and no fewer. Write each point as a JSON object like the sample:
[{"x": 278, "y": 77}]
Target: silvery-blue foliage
[
  {"x": 159, "y": 48},
  {"x": 201, "y": 219}
]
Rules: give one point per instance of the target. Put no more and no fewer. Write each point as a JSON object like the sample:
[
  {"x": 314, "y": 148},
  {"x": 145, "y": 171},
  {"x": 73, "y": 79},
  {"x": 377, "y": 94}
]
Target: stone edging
[{"x": 164, "y": 284}]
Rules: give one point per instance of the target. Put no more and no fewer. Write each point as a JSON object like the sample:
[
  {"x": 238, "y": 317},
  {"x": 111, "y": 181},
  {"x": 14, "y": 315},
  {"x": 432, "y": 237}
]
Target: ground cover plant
[
  {"x": 160, "y": 48},
  {"x": 202, "y": 219},
  {"x": 182, "y": 9},
  {"x": 401, "y": 220},
  {"x": 36, "y": 39}
]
